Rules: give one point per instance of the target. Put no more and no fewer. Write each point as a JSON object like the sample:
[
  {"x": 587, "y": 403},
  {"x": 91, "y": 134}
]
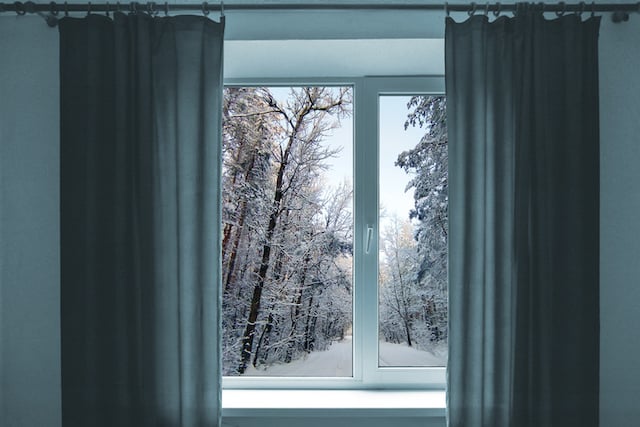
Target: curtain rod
[{"x": 51, "y": 10}]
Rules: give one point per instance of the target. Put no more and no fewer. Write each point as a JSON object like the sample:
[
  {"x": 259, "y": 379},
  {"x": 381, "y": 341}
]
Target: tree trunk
[
  {"x": 408, "y": 331},
  {"x": 294, "y": 325},
  {"x": 240, "y": 213},
  {"x": 247, "y": 340},
  {"x": 263, "y": 341},
  {"x": 308, "y": 338},
  {"x": 298, "y": 305},
  {"x": 231, "y": 265}
]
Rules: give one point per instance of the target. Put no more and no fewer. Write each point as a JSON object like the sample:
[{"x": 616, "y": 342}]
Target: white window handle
[{"x": 367, "y": 245}]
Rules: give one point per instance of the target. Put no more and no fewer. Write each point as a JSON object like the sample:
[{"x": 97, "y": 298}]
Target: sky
[{"x": 393, "y": 141}]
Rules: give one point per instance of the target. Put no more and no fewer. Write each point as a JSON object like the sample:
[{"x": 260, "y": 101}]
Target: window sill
[{"x": 332, "y": 403}]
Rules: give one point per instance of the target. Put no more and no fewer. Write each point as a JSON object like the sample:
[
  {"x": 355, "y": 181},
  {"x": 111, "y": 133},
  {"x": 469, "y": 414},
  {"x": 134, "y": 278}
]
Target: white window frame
[{"x": 366, "y": 373}]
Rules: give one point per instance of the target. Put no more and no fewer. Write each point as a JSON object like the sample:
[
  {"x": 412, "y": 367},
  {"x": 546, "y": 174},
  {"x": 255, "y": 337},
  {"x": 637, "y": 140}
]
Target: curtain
[
  {"x": 140, "y": 165},
  {"x": 522, "y": 97}
]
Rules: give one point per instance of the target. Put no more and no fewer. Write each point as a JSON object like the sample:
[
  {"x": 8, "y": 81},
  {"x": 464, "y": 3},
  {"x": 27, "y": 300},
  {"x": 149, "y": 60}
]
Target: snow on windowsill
[{"x": 260, "y": 403}]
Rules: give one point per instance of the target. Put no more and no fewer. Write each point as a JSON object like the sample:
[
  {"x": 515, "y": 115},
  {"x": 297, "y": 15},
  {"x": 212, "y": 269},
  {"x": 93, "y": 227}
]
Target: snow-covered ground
[
  {"x": 336, "y": 361},
  {"x": 403, "y": 355}
]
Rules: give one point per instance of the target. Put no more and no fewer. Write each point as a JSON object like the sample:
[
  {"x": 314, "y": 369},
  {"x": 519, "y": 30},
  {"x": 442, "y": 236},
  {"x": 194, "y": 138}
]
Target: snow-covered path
[
  {"x": 403, "y": 355},
  {"x": 336, "y": 361}
]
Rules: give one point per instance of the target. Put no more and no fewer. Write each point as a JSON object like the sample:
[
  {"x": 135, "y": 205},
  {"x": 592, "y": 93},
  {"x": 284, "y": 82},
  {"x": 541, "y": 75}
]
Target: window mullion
[{"x": 366, "y": 210}]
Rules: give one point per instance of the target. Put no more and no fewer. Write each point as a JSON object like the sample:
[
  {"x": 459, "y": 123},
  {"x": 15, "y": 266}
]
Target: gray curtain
[
  {"x": 140, "y": 164},
  {"x": 522, "y": 98}
]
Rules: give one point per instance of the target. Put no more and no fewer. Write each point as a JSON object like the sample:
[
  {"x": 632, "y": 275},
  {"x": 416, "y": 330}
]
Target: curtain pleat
[
  {"x": 140, "y": 166},
  {"x": 522, "y": 101}
]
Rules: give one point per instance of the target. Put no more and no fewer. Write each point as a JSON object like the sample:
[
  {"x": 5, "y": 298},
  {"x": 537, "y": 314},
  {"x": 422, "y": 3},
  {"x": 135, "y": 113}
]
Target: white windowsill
[{"x": 294, "y": 403}]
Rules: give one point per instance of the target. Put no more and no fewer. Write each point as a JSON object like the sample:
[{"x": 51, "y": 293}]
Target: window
[
  {"x": 412, "y": 242},
  {"x": 287, "y": 247},
  {"x": 334, "y": 274}
]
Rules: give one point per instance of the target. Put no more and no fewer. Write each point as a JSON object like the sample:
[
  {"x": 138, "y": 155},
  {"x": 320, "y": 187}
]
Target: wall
[
  {"x": 29, "y": 304},
  {"x": 29, "y": 300},
  {"x": 620, "y": 227}
]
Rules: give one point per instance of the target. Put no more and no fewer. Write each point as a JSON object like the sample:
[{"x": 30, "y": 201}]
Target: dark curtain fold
[
  {"x": 522, "y": 98},
  {"x": 140, "y": 164}
]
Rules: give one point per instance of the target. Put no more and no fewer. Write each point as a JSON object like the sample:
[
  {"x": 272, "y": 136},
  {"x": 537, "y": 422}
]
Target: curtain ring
[
  {"x": 30, "y": 7},
  {"x": 205, "y": 8},
  {"x": 151, "y": 8},
  {"x": 117, "y": 6},
  {"x": 446, "y": 8},
  {"x": 108, "y": 7},
  {"x": 593, "y": 9},
  {"x": 563, "y": 9},
  {"x": 133, "y": 7},
  {"x": 496, "y": 12},
  {"x": 20, "y": 10},
  {"x": 486, "y": 9},
  {"x": 166, "y": 9},
  {"x": 221, "y": 8},
  {"x": 472, "y": 10},
  {"x": 53, "y": 8},
  {"x": 88, "y": 8},
  {"x": 66, "y": 9},
  {"x": 582, "y": 6}
]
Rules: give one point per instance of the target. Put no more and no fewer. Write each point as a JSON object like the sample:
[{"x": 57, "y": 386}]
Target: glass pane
[
  {"x": 287, "y": 231},
  {"x": 412, "y": 255}
]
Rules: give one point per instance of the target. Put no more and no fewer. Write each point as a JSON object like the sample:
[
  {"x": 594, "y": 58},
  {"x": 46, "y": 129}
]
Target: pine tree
[{"x": 427, "y": 163}]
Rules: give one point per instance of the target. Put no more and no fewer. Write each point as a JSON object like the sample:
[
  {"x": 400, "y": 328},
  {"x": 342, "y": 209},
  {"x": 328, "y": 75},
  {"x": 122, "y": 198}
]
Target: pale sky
[{"x": 393, "y": 141}]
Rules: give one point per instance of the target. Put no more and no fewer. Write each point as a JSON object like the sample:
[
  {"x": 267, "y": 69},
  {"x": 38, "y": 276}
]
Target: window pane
[
  {"x": 413, "y": 231},
  {"x": 287, "y": 231}
]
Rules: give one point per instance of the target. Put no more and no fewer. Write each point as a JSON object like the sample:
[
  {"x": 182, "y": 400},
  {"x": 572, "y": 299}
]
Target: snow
[
  {"x": 336, "y": 361},
  {"x": 403, "y": 355}
]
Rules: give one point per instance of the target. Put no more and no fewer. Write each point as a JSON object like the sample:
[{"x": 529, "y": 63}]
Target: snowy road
[
  {"x": 336, "y": 361},
  {"x": 403, "y": 355}
]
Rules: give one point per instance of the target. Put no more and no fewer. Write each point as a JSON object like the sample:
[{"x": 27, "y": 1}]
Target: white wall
[
  {"x": 29, "y": 231},
  {"x": 620, "y": 224},
  {"x": 29, "y": 301}
]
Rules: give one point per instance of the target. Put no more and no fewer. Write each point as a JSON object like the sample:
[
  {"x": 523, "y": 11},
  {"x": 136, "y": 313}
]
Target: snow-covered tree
[
  {"x": 286, "y": 237},
  {"x": 248, "y": 131},
  {"x": 399, "y": 288},
  {"x": 413, "y": 270},
  {"x": 428, "y": 165}
]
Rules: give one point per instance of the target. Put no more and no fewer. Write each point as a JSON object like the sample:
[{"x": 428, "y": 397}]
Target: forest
[
  {"x": 413, "y": 250},
  {"x": 287, "y": 229}
]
